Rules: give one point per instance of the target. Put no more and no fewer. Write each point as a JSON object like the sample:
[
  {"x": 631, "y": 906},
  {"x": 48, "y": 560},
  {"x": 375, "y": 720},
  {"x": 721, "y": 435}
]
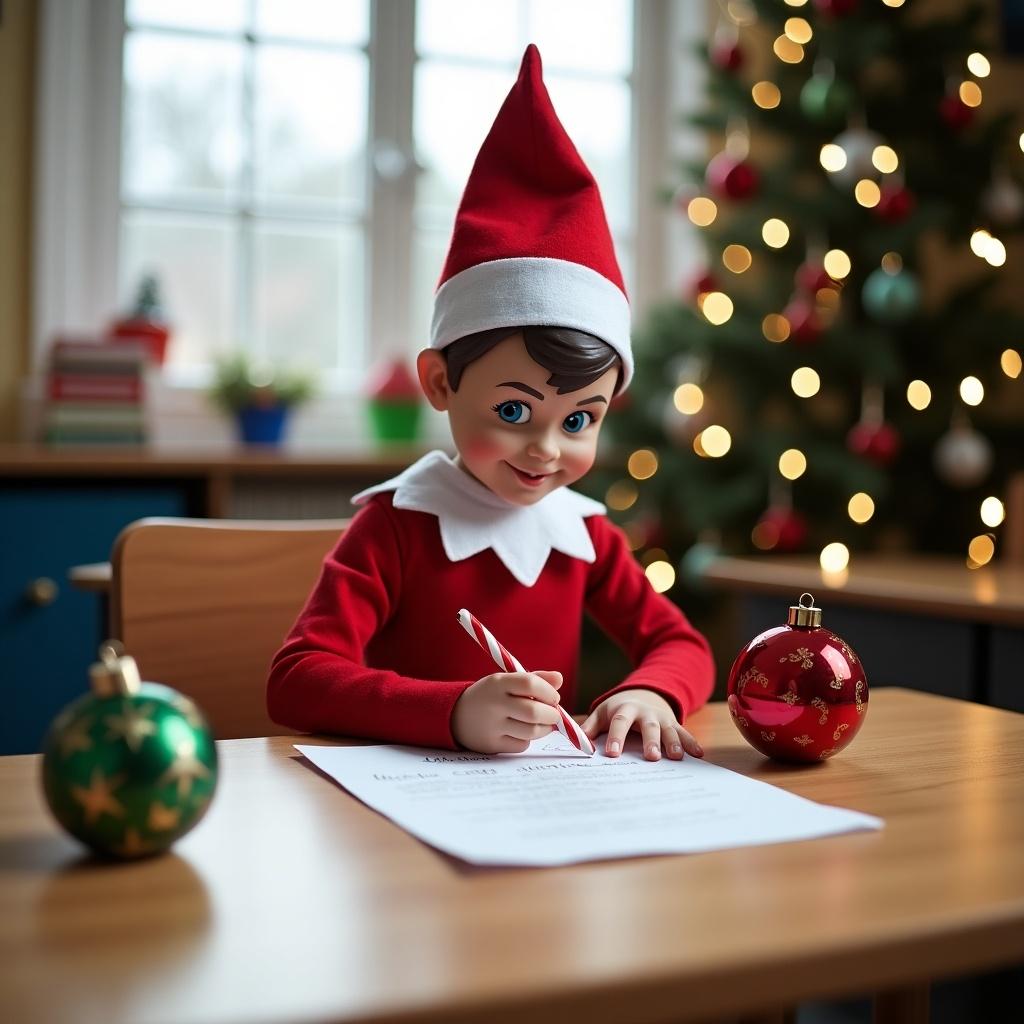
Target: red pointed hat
[{"x": 531, "y": 245}]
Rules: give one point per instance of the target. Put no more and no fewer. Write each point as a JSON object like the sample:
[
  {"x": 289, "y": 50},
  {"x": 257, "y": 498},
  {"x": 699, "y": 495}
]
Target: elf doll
[{"x": 529, "y": 344}]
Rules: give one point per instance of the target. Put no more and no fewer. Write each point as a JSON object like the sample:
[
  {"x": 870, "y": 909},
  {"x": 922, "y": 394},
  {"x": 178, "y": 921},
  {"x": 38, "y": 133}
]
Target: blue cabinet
[{"x": 49, "y": 633}]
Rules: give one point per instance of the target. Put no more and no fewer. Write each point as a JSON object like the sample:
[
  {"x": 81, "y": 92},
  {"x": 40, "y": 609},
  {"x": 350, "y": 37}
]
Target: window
[
  {"x": 247, "y": 180},
  {"x": 292, "y": 167}
]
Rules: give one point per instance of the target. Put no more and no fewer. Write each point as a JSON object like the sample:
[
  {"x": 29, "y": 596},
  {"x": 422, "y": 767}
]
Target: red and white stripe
[{"x": 507, "y": 662}]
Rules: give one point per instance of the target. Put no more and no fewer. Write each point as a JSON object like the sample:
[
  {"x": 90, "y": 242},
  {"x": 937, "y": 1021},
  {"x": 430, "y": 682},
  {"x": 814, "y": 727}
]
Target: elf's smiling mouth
[{"x": 530, "y": 479}]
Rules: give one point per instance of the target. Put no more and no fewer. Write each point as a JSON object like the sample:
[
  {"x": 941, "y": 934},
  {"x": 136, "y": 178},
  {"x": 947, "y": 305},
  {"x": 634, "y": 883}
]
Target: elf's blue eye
[
  {"x": 576, "y": 421},
  {"x": 513, "y": 412}
]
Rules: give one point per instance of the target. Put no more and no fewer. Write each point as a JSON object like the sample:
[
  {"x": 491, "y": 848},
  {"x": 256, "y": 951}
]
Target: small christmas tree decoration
[
  {"x": 780, "y": 528},
  {"x": 824, "y": 98},
  {"x": 732, "y": 177},
  {"x": 798, "y": 692},
  {"x": 836, "y": 8},
  {"x": 1003, "y": 200},
  {"x": 145, "y": 321},
  {"x": 891, "y": 296},
  {"x": 895, "y": 204},
  {"x": 963, "y": 457},
  {"x": 956, "y": 114},
  {"x": 804, "y": 322},
  {"x": 395, "y": 401},
  {"x": 131, "y": 767},
  {"x": 879, "y": 443},
  {"x": 725, "y": 52},
  {"x": 859, "y": 145},
  {"x": 811, "y": 277},
  {"x": 700, "y": 285}
]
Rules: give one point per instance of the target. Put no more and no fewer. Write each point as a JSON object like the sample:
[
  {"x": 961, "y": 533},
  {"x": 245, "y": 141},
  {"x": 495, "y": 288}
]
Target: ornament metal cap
[
  {"x": 806, "y": 615},
  {"x": 116, "y": 673}
]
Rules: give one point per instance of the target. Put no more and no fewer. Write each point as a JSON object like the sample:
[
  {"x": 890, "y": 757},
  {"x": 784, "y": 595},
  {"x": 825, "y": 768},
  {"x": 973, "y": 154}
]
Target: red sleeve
[
  {"x": 669, "y": 656},
  {"x": 319, "y": 681}
]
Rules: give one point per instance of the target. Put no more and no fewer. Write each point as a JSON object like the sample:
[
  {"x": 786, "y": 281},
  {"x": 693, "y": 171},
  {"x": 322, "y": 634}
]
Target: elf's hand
[
  {"x": 503, "y": 712},
  {"x": 650, "y": 715}
]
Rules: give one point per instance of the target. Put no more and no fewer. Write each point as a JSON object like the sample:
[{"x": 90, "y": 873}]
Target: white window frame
[{"x": 77, "y": 202}]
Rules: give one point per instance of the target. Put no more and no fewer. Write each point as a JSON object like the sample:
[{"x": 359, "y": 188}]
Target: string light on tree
[
  {"x": 717, "y": 308},
  {"x": 837, "y": 264},
  {"x": 661, "y": 575},
  {"x": 970, "y": 94},
  {"x": 787, "y": 51},
  {"x": 805, "y": 382},
  {"x": 622, "y": 495},
  {"x": 988, "y": 247},
  {"x": 884, "y": 159},
  {"x": 867, "y": 193},
  {"x": 716, "y": 441},
  {"x": 972, "y": 391},
  {"x": 737, "y": 258},
  {"x": 702, "y": 211},
  {"x": 978, "y": 65},
  {"x": 1010, "y": 363},
  {"x": 992, "y": 511},
  {"x": 642, "y": 464},
  {"x": 792, "y": 463},
  {"x": 858, "y": 145},
  {"x": 766, "y": 95},
  {"x": 860, "y": 507},
  {"x": 919, "y": 395},
  {"x": 775, "y": 232},
  {"x": 775, "y": 328},
  {"x": 688, "y": 398}
]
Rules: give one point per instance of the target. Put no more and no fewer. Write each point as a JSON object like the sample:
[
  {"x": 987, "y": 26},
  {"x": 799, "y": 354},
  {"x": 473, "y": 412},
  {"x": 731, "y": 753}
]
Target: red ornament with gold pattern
[{"x": 798, "y": 692}]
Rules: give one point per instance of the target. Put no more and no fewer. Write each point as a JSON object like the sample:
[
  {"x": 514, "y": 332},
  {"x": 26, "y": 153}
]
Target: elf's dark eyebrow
[
  {"x": 522, "y": 387},
  {"x": 596, "y": 398}
]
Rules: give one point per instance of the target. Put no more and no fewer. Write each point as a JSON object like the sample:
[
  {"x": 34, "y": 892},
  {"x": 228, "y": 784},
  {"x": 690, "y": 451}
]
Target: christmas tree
[{"x": 835, "y": 375}]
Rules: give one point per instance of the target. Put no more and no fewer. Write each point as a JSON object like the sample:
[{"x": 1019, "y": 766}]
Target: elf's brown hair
[{"x": 574, "y": 359}]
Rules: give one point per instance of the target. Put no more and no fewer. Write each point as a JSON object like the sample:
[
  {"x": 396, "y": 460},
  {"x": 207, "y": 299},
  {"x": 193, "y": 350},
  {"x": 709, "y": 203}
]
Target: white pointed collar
[{"x": 473, "y": 518}]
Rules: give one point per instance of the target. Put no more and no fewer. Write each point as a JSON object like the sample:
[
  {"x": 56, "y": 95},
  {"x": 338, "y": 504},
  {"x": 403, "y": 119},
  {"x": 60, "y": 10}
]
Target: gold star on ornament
[
  {"x": 185, "y": 768},
  {"x": 99, "y": 799},
  {"x": 133, "y": 845},
  {"x": 163, "y": 819},
  {"x": 188, "y": 708},
  {"x": 133, "y": 725},
  {"x": 75, "y": 737}
]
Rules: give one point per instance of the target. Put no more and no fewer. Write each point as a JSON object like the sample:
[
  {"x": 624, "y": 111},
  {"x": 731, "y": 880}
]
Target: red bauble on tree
[
  {"x": 700, "y": 284},
  {"x": 955, "y": 112},
  {"x": 798, "y": 692},
  {"x": 804, "y": 323},
  {"x": 811, "y": 277},
  {"x": 877, "y": 442},
  {"x": 780, "y": 528},
  {"x": 836, "y": 8},
  {"x": 726, "y": 55},
  {"x": 731, "y": 177},
  {"x": 895, "y": 204}
]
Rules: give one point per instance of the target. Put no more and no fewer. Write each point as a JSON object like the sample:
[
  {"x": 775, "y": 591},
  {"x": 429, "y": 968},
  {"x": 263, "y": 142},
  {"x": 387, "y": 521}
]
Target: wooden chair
[{"x": 203, "y": 604}]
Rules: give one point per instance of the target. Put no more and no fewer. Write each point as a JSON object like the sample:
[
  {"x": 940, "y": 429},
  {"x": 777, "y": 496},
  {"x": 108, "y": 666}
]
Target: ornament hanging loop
[
  {"x": 805, "y": 615},
  {"x": 116, "y": 673}
]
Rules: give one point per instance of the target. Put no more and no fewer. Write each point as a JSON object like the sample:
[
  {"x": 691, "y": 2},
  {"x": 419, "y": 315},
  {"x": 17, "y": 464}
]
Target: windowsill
[{"x": 182, "y": 416}]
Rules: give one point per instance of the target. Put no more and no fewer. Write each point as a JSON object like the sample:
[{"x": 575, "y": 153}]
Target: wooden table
[
  {"x": 922, "y": 621},
  {"x": 294, "y": 902}
]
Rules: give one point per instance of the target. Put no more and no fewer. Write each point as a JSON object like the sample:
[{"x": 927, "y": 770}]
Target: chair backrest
[{"x": 203, "y": 604}]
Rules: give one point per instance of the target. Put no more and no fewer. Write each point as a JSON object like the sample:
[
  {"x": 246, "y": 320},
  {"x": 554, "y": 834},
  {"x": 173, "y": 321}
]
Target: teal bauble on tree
[
  {"x": 890, "y": 297},
  {"x": 825, "y": 99}
]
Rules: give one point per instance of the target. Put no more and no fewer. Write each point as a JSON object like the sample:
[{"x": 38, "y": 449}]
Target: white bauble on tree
[
  {"x": 1003, "y": 200},
  {"x": 963, "y": 457},
  {"x": 858, "y": 144}
]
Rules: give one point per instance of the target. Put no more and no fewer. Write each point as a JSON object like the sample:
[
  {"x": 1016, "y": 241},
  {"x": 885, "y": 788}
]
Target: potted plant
[{"x": 260, "y": 398}]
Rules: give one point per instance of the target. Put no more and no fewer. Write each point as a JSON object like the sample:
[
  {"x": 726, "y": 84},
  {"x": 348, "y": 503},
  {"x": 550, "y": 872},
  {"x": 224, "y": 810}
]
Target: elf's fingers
[
  {"x": 554, "y": 678},
  {"x": 619, "y": 725},
  {"x": 650, "y": 730},
  {"x": 533, "y": 712},
  {"x": 524, "y": 730},
  {"x": 510, "y": 745},
  {"x": 592, "y": 725},
  {"x": 530, "y": 684}
]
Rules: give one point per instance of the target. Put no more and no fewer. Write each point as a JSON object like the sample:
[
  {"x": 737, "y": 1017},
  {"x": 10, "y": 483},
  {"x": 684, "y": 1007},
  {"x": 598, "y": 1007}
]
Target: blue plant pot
[{"x": 262, "y": 425}]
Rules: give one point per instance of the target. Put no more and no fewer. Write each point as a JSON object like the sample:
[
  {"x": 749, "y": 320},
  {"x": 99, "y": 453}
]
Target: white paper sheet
[{"x": 542, "y": 810}]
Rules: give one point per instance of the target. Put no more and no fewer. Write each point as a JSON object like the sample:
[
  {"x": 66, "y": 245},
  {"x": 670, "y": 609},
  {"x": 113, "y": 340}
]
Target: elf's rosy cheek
[{"x": 480, "y": 449}]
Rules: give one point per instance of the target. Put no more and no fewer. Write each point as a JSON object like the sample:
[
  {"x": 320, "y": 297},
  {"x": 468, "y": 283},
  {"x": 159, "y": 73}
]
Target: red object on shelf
[
  {"x": 798, "y": 692},
  {"x": 153, "y": 334},
  {"x": 393, "y": 381}
]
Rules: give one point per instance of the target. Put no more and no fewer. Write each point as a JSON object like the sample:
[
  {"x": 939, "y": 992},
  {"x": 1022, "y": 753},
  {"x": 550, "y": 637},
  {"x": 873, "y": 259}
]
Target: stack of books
[{"x": 96, "y": 392}]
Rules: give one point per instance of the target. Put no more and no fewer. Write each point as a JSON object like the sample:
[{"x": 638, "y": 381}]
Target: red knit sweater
[{"x": 377, "y": 650}]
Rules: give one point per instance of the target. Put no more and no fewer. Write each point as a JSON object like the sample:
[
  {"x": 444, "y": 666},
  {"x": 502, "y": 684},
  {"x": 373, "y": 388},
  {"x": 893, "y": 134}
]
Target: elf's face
[{"x": 514, "y": 433}]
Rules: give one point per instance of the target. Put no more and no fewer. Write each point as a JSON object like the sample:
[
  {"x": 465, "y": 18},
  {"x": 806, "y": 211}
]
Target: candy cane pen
[{"x": 504, "y": 660}]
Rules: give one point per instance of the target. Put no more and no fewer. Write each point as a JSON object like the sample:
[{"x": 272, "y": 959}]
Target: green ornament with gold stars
[{"x": 130, "y": 767}]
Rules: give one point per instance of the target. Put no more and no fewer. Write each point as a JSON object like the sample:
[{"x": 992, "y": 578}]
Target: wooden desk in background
[
  {"x": 927, "y": 622},
  {"x": 294, "y": 902}
]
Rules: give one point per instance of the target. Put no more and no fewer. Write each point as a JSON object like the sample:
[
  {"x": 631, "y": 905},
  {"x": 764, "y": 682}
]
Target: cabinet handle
[{"x": 42, "y": 592}]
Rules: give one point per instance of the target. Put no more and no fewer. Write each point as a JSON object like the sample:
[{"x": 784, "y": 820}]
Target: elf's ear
[{"x": 433, "y": 373}]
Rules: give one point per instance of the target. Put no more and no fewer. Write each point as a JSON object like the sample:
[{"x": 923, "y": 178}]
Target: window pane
[
  {"x": 311, "y": 112},
  {"x": 428, "y": 253},
  {"x": 309, "y": 295},
  {"x": 454, "y": 110},
  {"x": 469, "y": 28},
  {"x": 597, "y": 117},
  {"x": 587, "y": 35},
  {"x": 221, "y": 16},
  {"x": 324, "y": 21},
  {"x": 182, "y": 117},
  {"x": 195, "y": 260}
]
